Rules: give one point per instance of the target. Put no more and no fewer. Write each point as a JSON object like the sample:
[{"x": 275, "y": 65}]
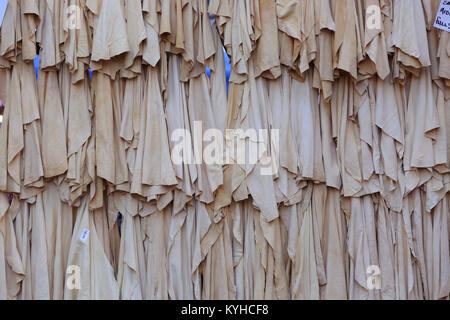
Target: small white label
[
  {"x": 3, "y": 5},
  {"x": 443, "y": 17},
  {"x": 85, "y": 235}
]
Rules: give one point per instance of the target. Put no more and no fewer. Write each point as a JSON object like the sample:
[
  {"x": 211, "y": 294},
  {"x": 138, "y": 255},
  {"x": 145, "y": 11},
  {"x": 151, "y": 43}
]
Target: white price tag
[
  {"x": 3, "y": 5},
  {"x": 443, "y": 17},
  {"x": 85, "y": 235}
]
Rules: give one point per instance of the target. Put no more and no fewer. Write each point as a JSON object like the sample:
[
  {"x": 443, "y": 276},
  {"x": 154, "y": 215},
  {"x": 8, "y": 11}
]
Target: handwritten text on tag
[
  {"x": 85, "y": 235},
  {"x": 443, "y": 17}
]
